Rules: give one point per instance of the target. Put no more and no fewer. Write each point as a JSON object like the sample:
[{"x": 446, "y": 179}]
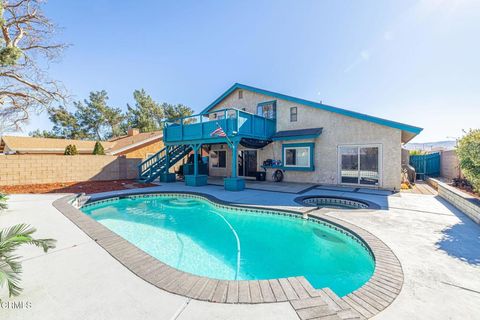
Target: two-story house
[{"x": 249, "y": 130}]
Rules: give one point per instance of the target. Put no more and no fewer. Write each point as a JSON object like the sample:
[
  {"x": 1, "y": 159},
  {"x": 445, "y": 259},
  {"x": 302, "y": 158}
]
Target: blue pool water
[{"x": 195, "y": 236}]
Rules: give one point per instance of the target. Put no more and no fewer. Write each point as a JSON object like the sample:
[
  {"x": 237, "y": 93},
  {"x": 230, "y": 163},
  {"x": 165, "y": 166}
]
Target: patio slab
[
  {"x": 286, "y": 187},
  {"x": 437, "y": 245}
]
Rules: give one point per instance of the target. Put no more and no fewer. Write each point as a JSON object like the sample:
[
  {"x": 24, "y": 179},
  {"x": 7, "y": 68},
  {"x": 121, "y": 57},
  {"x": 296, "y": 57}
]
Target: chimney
[{"x": 133, "y": 132}]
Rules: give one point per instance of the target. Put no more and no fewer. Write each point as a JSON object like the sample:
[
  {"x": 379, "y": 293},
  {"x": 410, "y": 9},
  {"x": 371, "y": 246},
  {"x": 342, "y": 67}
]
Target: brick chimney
[{"x": 133, "y": 132}]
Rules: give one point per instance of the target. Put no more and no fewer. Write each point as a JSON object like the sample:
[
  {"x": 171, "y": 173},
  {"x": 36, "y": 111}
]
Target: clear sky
[{"x": 410, "y": 61}]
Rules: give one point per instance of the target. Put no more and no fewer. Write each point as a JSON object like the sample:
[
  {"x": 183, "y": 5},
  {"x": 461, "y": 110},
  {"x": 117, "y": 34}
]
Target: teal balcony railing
[{"x": 234, "y": 122}]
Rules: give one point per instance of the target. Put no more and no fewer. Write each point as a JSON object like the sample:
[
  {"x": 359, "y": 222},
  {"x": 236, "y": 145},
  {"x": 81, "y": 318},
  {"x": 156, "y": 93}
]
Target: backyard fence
[
  {"x": 426, "y": 165},
  {"x": 35, "y": 169}
]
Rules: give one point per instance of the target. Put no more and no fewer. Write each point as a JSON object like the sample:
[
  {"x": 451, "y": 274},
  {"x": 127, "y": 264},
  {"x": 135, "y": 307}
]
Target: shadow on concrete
[{"x": 462, "y": 240}]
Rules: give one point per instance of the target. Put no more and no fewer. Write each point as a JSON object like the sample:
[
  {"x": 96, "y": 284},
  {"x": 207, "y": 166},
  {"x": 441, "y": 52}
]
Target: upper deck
[{"x": 235, "y": 123}]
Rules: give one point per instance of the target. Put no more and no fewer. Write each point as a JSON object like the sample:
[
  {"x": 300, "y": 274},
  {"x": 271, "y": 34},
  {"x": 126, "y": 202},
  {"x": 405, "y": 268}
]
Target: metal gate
[{"x": 426, "y": 165}]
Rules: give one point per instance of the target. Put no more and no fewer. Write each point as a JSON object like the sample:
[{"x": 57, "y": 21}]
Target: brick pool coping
[{"x": 368, "y": 300}]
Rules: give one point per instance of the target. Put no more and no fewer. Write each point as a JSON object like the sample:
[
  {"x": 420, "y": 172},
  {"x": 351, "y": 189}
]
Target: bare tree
[{"x": 26, "y": 42}]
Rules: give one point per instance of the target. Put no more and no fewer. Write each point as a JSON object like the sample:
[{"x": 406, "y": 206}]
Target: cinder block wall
[
  {"x": 34, "y": 169},
  {"x": 449, "y": 165}
]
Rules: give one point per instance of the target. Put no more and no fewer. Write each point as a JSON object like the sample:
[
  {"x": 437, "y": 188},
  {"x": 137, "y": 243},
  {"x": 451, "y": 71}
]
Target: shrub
[
  {"x": 417, "y": 152},
  {"x": 98, "y": 149},
  {"x": 71, "y": 150},
  {"x": 468, "y": 151}
]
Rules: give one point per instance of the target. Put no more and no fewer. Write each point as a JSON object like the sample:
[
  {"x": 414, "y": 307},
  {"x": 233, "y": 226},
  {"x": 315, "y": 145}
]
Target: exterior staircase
[{"x": 151, "y": 168}]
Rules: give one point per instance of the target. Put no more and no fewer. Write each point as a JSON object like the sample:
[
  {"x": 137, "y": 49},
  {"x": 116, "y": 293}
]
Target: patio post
[
  {"x": 195, "y": 159},
  {"x": 234, "y": 183},
  {"x": 195, "y": 179},
  {"x": 234, "y": 159}
]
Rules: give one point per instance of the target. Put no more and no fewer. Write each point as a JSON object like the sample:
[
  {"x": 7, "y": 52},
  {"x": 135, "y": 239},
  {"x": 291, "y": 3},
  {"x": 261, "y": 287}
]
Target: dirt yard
[{"x": 75, "y": 187}]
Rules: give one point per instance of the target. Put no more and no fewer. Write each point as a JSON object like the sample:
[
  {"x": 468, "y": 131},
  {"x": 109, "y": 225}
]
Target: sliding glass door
[{"x": 359, "y": 165}]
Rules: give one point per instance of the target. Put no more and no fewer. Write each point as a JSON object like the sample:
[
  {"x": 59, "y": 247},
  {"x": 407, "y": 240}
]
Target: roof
[
  {"x": 48, "y": 145},
  {"x": 297, "y": 134},
  {"x": 115, "y": 146},
  {"x": 124, "y": 143},
  {"x": 411, "y": 130}
]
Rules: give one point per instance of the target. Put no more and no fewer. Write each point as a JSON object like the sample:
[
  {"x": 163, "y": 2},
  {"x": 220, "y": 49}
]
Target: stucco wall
[
  {"x": 337, "y": 130},
  {"x": 34, "y": 169},
  {"x": 142, "y": 151}
]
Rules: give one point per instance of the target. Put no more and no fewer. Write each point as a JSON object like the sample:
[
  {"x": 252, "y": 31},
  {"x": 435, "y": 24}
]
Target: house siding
[
  {"x": 337, "y": 130},
  {"x": 142, "y": 151}
]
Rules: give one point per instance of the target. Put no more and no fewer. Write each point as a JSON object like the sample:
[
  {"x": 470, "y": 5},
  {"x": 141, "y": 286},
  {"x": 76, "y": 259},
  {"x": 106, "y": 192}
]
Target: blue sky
[{"x": 410, "y": 61}]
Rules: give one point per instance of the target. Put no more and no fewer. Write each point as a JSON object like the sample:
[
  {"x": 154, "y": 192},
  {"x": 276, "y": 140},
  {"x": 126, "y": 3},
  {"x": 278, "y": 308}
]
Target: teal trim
[
  {"x": 311, "y": 145},
  {"x": 348, "y": 113},
  {"x": 306, "y": 136},
  {"x": 267, "y": 102}
]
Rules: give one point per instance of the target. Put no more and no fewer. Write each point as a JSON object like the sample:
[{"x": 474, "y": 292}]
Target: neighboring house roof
[
  {"x": 119, "y": 145},
  {"x": 46, "y": 145},
  {"x": 411, "y": 130},
  {"x": 125, "y": 143},
  {"x": 297, "y": 134}
]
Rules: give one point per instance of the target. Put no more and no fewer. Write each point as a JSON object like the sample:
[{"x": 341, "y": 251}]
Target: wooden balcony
[{"x": 235, "y": 123}]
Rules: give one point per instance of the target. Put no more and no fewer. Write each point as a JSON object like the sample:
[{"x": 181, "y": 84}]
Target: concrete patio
[{"x": 438, "y": 246}]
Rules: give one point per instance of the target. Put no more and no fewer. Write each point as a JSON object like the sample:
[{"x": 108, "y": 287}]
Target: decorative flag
[{"x": 218, "y": 132}]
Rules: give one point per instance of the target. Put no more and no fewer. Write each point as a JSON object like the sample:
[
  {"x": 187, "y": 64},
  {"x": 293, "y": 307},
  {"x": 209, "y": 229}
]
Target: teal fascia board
[
  {"x": 311, "y": 145},
  {"x": 306, "y": 136},
  {"x": 348, "y": 113}
]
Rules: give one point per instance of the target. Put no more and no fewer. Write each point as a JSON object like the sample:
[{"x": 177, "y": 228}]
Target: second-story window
[
  {"x": 267, "y": 109},
  {"x": 240, "y": 94},
  {"x": 293, "y": 114}
]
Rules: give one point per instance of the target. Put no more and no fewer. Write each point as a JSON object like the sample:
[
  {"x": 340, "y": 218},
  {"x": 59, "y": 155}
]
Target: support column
[
  {"x": 165, "y": 176},
  {"x": 234, "y": 183},
  {"x": 196, "y": 179},
  {"x": 195, "y": 160}
]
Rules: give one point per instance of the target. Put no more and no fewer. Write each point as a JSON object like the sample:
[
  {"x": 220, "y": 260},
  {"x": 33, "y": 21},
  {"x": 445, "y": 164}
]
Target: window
[
  {"x": 293, "y": 114},
  {"x": 218, "y": 158},
  {"x": 298, "y": 156},
  {"x": 240, "y": 94},
  {"x": 267, "y": 109},
  {"x": 359, "y": 165}
]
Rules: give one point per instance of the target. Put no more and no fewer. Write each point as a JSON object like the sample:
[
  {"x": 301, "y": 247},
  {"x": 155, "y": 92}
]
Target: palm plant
[
  {"x": 3, "y": 201},
  {"x": 10, "y": 266}
]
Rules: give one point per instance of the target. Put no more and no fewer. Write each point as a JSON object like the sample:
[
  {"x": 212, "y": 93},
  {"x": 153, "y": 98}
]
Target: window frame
[
  {"x": 311, "y": 156},
  {"x": 379, "y": 164},
  {"x": 266, "y": 103},
  {"x": 240, "y": 94},
  {"x": 293, "y": 114}
]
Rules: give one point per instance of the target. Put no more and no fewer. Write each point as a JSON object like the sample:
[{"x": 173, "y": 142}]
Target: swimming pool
[{"x": 217, "y": 241}]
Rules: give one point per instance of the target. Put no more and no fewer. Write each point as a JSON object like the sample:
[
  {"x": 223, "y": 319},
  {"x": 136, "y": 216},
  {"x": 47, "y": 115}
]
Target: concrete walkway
[{"x": 439, "y": 249}]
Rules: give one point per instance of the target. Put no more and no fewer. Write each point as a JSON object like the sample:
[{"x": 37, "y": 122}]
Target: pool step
[{"x": 320, "y": 304}]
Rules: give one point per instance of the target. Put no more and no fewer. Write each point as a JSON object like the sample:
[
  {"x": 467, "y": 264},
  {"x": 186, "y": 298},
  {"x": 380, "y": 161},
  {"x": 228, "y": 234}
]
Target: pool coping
[
  {"x": 368, "y": 300},
  {"x": 371, "y": 205}
]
